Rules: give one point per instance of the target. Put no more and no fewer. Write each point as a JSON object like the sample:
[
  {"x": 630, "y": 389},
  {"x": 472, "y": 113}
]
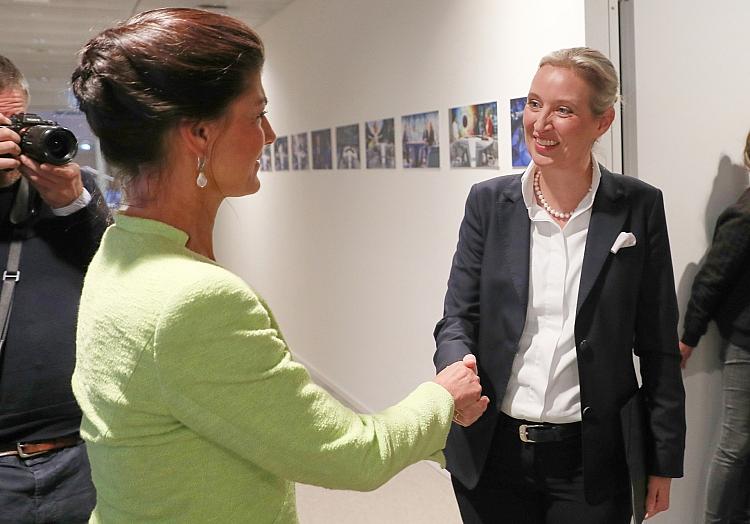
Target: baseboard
[
  {"x": 323, "y": 381},
  {"x": 348, "y": 399}
]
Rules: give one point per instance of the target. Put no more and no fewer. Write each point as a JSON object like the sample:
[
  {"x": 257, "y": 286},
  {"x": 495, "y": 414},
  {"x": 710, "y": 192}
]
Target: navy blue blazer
[{"x": 626, "y": 304}]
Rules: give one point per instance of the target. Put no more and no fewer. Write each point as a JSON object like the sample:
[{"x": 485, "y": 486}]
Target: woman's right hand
[
  {"x": 9, "y": 141},
  {"x": 462, "y": 382}
]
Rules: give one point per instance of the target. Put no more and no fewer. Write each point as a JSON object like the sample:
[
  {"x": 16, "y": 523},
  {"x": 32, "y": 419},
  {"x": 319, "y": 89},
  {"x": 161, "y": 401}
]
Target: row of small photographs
[{"x": 473, "y": 142}]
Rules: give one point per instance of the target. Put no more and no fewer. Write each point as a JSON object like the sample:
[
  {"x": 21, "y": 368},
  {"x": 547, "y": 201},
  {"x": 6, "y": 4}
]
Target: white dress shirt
[
  {"x": 79, "y": 203},
  {"x": 544, "y": 384}
]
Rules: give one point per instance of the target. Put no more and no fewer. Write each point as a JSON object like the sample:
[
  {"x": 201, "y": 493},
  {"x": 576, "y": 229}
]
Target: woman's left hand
[
  {"x": 685, "y": 352},
  {"x": 657, "y": 497}
]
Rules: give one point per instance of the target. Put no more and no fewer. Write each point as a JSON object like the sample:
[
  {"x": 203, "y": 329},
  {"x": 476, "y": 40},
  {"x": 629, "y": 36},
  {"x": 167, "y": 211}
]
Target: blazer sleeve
[
  {"x": 456, "y": 333},
  {"x": 656, "y": 345},
  {"x": 726, "y": 260},
  {"x": 226, "y": 373}
]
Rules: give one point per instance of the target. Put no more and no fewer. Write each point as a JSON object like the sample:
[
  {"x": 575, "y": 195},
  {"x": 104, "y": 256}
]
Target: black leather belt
[{"x": 543, "y": 432}]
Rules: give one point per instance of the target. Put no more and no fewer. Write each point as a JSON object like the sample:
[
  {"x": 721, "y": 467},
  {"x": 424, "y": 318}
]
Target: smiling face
[
  {"x": 559, "y": 124},
  {"x": 235, "y": 156}
]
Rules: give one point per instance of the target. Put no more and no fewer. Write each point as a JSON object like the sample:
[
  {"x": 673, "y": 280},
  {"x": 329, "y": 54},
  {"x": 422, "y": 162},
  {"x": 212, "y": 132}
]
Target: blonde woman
[{"x": 559, "y": 276}]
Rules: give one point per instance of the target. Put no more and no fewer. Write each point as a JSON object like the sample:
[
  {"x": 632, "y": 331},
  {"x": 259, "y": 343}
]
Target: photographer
[{"x": 51, "y": 220}]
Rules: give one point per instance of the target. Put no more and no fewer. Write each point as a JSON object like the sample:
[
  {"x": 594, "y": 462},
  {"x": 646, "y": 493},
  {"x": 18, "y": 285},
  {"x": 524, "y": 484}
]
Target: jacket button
[
  {"x": 587, "y": 413},
  {"x": 585, "y": 350}
]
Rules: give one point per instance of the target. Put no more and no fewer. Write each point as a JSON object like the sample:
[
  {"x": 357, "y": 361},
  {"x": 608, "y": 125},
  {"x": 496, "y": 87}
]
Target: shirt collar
[
  {"x": 537, "y": 212},
  {"x": 150, "y": 227}
]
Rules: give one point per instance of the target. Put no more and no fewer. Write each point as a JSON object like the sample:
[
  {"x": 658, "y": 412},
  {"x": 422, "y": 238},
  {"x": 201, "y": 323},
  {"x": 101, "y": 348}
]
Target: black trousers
[{"x": 535, "y": 483}]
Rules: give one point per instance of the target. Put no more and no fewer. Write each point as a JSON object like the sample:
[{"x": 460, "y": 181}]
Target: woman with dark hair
[
  {"x": 192, "y": 407},
  {"x": 721, "y": 292}
]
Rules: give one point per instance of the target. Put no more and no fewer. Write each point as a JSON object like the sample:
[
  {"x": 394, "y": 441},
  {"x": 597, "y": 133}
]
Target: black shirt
[{"x": 37, "y": 361}]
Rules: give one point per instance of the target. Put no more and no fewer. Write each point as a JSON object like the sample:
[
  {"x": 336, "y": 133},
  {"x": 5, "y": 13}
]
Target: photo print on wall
[
  {"x": 473, "y": 137},
  {"x": 265, "y": 159},
  {"x": 421, "y": 140},
  {"x": 300, "y": 158},
  {"x": 281, "y": 153},
  {"x": 519, "y": 153},
  {"x": 347, "y": 147},
  {"x": 322, "y": 156},
  {"x": 380, "y": 143}
]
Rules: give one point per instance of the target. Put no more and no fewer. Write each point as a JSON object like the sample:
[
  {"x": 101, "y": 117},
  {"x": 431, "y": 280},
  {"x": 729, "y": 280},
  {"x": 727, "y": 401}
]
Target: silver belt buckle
[
  {"x": 22, "y": 454},
  {"x": 524, "y": 434}
]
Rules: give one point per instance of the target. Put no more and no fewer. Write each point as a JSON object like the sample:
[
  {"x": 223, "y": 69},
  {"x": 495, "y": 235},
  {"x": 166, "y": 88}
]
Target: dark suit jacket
[{"x": 626, "y": 304}]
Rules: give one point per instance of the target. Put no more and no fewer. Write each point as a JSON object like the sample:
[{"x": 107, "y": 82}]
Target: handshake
[{"x": 462, "y": 382}]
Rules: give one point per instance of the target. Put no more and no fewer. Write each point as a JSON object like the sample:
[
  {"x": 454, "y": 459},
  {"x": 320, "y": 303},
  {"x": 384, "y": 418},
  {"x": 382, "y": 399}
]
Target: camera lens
[
  {"x": 51, "y": 144},
  {"x": 59, "y": 143}
]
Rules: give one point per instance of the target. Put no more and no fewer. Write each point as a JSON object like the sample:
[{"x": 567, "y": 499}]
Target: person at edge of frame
[
  {"x": 59, "y": 216},
  {"x": 721, "y": 292}
]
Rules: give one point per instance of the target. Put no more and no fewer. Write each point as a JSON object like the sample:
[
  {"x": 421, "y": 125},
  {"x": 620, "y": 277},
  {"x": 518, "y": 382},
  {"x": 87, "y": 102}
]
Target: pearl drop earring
[{"x": 201, "y": 181}]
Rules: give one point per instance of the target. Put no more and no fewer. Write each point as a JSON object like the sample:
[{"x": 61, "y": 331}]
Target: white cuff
[{"x": 79, "y": 203}]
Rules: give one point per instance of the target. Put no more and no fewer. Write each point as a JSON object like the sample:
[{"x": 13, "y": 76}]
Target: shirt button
[{"x": 587, "y": 413}]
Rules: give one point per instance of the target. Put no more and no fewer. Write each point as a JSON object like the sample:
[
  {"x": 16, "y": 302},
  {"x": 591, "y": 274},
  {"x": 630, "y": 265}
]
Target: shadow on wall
[{"x": 730, "y": 181}]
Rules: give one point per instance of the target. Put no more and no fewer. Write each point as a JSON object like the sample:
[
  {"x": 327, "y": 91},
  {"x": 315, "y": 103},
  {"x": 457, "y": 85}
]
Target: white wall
[
  {"x": 355, "y": 264},
  {"x": 693, "y": 114}
]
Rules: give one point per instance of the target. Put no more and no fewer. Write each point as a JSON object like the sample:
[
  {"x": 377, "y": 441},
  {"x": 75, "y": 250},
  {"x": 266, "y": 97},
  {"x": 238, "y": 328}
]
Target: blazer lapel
[
  {"x": 608, "y": 215},
  {"x": 515, "y": 228}
]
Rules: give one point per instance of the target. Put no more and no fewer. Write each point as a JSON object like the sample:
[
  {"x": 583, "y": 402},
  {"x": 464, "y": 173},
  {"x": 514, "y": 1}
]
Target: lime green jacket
[{"x": 193, "y": 409}]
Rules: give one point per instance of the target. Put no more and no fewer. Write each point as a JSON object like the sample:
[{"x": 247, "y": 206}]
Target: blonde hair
[{"x": 593, "y": 67}]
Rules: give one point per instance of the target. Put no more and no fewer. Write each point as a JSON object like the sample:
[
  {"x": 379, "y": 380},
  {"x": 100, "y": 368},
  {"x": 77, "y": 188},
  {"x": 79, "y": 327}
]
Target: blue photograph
[
  {"x": 519, "y": 153},
  {"x": 322, "y": 155},
  {"x": 421, "y": 140}
]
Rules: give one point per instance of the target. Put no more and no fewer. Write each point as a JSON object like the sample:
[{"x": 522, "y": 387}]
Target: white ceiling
[{"x": 42, "y": 36}]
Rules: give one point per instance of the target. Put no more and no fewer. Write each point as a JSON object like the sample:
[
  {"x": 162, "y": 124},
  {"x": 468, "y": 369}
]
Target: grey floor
[{"x": 418, "y": 495}]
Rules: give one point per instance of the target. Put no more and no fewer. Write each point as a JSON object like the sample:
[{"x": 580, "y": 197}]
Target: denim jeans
[
  {"x": 728, "y": 491},
  {"x": 53, "y": 487}
]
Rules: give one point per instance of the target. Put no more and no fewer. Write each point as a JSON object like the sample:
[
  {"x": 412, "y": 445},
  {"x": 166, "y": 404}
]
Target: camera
[{"x": 43, "y": 140}]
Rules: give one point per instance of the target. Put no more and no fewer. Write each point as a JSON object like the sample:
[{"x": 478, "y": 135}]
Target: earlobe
[{"x": 606, "y": 120}]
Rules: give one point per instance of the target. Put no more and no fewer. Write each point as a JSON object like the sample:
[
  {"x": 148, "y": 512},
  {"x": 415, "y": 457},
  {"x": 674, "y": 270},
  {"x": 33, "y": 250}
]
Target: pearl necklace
[{"x": 549, "y": 209}]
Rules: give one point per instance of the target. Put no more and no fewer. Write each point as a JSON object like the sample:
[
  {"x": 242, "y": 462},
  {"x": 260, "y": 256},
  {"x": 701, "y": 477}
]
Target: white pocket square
[{"x": 623, "y": 240}]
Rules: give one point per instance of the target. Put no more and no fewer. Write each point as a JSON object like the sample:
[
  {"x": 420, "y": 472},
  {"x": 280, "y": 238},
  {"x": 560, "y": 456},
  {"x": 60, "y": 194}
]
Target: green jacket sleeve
[{"x": 226, "y": 373}]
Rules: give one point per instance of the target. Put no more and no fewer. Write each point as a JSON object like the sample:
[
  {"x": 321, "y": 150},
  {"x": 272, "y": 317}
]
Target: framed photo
[
  {"x": 421, "y": 141},
  {"x": 380, "y": 143},
  {"x": 519, "y": 153},
  {"x": 281, "y": 153},
  {"x": 322, "y": 155},
  {"x": 473, "y": 136},
  {"x": 347, "y": 147}
]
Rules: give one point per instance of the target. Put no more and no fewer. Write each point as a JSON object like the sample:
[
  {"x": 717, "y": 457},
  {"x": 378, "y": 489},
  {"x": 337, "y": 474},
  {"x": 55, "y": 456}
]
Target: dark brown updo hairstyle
[{"x": 137, "y": 80}]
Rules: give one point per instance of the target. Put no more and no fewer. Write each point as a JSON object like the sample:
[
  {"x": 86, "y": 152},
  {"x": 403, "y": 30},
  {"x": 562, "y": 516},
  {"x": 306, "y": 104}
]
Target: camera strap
[
  {"x": 22, "y": 210},
  {"x": 11, "y": 276}
]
